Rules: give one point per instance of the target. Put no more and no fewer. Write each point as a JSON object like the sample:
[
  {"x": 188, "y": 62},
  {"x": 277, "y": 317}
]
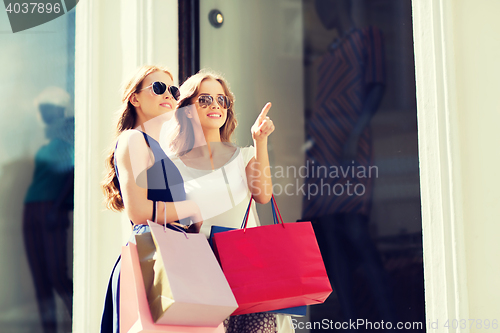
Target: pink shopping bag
[
  {"x": 135, "y": 316},
  {"x": 274, "y": 266}
]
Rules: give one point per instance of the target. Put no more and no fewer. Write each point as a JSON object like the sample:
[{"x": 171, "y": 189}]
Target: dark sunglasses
[
  {"x": 207, "y": 100},
  {"x": 159, "y": 88}
]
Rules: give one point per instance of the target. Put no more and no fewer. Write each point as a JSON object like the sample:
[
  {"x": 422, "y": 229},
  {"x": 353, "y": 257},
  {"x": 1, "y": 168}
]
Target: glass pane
[
  {"x": 340, "y": 75},
  {"x": 36, "y": 172}
]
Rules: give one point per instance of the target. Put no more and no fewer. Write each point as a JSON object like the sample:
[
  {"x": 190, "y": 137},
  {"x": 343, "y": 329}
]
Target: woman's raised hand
[{"x": 263, "y": 126}]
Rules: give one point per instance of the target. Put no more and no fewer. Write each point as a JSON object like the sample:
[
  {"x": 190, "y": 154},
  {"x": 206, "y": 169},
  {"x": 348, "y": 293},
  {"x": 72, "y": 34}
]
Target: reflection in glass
[
  {"x": 358, "y": 182},
  {"x": 47, "y": 205},
  {"x": 36, "y": 168}
]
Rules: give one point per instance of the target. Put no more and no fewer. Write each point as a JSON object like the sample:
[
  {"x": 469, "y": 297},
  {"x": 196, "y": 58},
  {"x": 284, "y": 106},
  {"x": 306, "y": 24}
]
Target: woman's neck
[
  {"x": 202, "y": 148},
  {"x": 211, "y": 135},
  {"x": 152, "y": 127},
  {"x": 210, "y": 156},
  {"x": 203, "y": 137}
]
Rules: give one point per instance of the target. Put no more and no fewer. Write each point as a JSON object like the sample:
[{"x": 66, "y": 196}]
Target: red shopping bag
[
  {"x": 273, "y": 267},
  {"x": 135, "y": 316}
]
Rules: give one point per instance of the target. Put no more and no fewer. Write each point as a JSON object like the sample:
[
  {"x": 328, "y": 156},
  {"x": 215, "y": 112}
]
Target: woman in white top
[{"x": 218, "y": 176}]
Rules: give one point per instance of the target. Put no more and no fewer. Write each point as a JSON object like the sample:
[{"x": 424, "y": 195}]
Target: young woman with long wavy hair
[
  {"x": 135, "y": 181},
  {"x": 219, "y": 176}
]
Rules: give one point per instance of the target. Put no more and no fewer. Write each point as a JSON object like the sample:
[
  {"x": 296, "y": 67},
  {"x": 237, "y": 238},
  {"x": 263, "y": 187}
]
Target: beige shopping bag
[{"x": 188, "y": 287}]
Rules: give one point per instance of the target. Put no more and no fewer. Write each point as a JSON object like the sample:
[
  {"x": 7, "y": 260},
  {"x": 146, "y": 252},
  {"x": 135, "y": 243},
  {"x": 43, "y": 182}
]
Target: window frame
[{"x": 439, "y": 155}]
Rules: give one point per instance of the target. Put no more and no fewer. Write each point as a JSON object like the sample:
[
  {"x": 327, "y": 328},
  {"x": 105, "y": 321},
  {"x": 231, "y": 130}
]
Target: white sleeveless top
[{"x": 222, "y": 194}]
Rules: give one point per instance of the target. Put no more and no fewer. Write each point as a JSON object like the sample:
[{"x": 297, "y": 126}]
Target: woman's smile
[
  {"x": 215, "y": 115},
  {"x": 167, "y": 105}
]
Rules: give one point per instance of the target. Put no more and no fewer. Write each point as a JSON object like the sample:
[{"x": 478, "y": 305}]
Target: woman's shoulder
[
  {"x": 247, "y": 148},
  {"x": 247, "y": 153},
  {"x": 131, "y": 142},
  {"x": 130, "y": 134}
]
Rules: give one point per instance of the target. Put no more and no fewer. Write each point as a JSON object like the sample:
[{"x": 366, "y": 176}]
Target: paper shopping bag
[
  {"x": 297, "y": 311},
  {"x": 215, "y": 229},
  {"x": 146, "y": 250},
  {"x": 273, "y": 267},
  {"x": 189, "y": 287},
  {"x": 135, "y": 316}
]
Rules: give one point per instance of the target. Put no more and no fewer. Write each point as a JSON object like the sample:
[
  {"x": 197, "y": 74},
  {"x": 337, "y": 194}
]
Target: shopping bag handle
[
  {"x": 276, "y": 213},
  {"x": 274, "y": 205},
  {"x": 247, "y": 213},
  {"x": 155, "y": 209},
  {"x": 173, "y": 226}
]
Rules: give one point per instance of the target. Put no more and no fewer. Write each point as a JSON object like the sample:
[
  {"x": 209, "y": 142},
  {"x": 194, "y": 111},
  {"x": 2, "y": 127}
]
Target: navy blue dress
[{"x": 162, "y": 177}]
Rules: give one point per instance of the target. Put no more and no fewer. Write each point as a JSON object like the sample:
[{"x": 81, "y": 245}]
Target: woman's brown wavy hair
[
  {"x": 183, "y": 135},
  {"x": 127, "y": 117}
]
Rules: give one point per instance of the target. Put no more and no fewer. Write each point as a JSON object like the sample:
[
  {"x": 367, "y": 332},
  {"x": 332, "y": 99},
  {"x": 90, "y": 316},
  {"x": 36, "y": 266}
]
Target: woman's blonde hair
[
  {"x": 183, "y": 135},
  {"x": 127, "y": 117}
]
